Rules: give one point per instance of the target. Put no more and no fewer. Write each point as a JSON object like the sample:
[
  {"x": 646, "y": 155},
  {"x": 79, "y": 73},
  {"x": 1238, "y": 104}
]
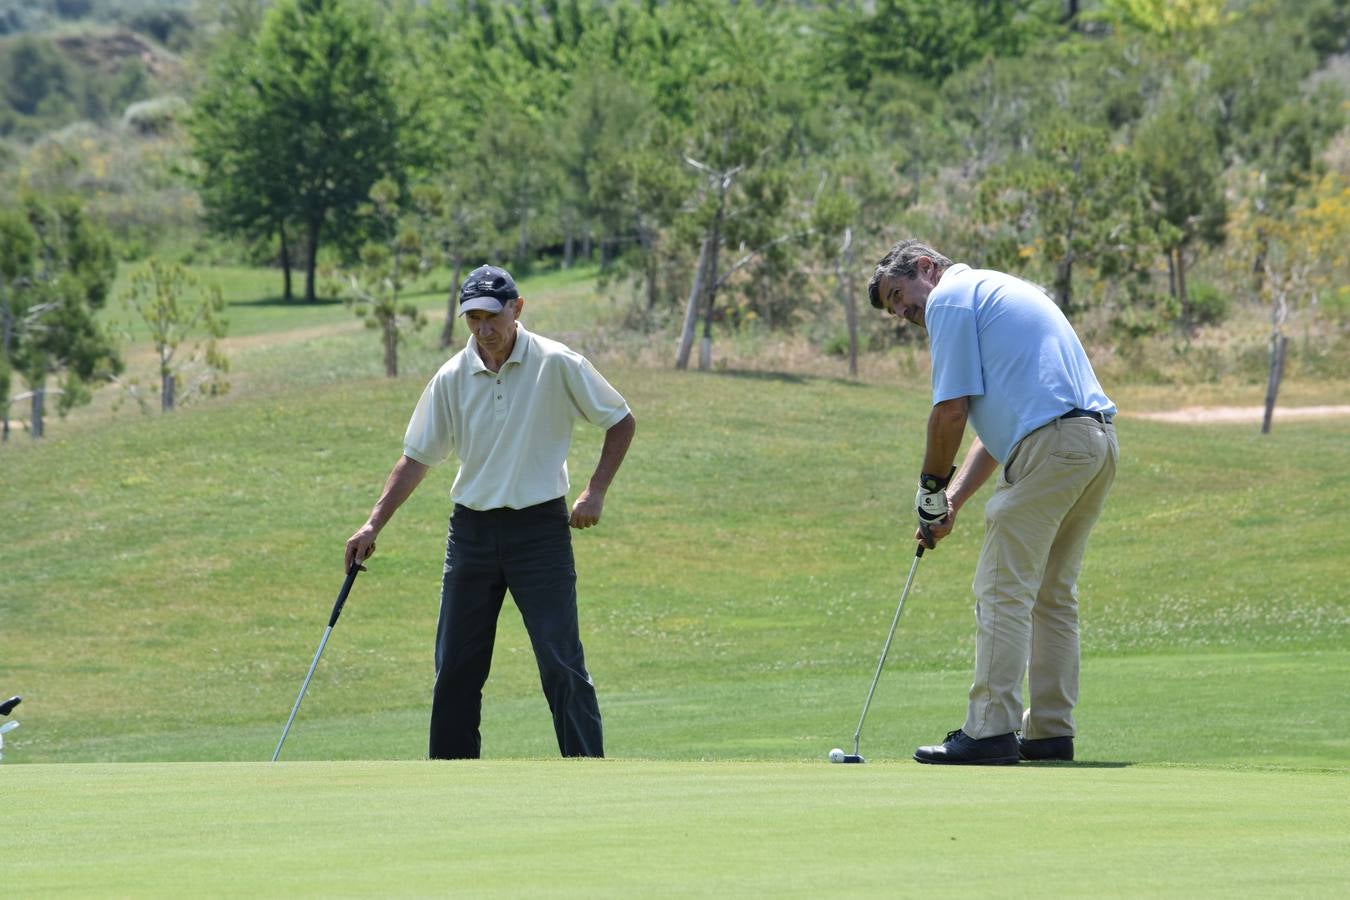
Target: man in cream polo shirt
[{"x": 505, "y": 405}]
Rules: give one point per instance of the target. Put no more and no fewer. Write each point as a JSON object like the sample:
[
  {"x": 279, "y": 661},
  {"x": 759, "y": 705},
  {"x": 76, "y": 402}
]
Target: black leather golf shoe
[
  {"x": 1055, "y": 748},
  {"x": 959, "y": 749}
]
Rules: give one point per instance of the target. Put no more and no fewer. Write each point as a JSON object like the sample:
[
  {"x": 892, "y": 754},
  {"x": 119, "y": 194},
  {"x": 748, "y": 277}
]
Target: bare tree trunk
[
  {"x": 448, "y": 330},
  {"x": 6, "y": 329},
  {"x": 1259, "y": 264},
  {"x": 649, "y": 265},
  {"x": 1171, "y": 274},
  {"x": 691, "y": 307},
  {"x": 166, "y": 389},
  {"x": 287, "y": 292},
  {"x": 1278, "y": 344},
  {"x": 1182, "y": 297},
  {"x": 312, "y": 259},
  {"x": 390, "y": 348},
  {"x": 1064, "y": 285},
  {"x": 705, "y": 346},
  {"x": 845, "y": 264},
  {"x": 36, "y": 429},
  {"x": 523, "y": 243}
]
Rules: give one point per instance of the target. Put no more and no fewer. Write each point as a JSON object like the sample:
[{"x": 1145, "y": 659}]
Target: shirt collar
[{"x": 523, "y": 341}]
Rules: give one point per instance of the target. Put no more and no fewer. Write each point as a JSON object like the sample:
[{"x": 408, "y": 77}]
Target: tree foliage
[
  {"x": 57, "y": 268},
  {"x": 176, "y": 307},
  {"x": 301, "y": 123},
  {"x": 375, "y": 287}
]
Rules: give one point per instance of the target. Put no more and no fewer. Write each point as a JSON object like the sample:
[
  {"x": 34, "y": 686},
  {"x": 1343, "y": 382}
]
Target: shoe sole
[{"x": 992, "y": 761}]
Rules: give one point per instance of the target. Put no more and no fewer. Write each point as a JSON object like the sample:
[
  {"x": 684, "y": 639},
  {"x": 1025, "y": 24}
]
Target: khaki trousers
[{"x": 1051, "y": 491}]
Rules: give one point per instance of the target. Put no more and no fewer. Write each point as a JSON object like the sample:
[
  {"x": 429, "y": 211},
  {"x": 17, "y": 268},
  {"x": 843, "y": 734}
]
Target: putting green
[{"x": 617, "y": 827}]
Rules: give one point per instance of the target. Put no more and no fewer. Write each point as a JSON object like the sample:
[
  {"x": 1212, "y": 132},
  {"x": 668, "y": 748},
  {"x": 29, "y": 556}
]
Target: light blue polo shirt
[{"x": 1003, "y": 343}]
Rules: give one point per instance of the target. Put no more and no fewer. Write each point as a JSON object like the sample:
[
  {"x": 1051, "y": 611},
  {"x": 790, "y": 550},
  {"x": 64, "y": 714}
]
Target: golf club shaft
[
  {"x": 857, "y": 735},
  {"x": 332, "y": 620},
  {"x": 295, "y": 709}
]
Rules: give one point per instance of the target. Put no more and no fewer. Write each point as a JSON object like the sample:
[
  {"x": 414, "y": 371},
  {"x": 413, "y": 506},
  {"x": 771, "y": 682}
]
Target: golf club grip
[
  {"x": 919, "y": 552},
  {"x": 342, "y": 594}
]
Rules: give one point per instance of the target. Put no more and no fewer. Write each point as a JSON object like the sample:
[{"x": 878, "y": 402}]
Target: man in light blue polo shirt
[
  {"x": 1006, "y": 360},
  {"x": 505, "y": 405}
]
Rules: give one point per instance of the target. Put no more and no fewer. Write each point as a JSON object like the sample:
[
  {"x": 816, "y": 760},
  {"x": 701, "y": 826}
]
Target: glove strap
[{"x": 934, "y": 483}]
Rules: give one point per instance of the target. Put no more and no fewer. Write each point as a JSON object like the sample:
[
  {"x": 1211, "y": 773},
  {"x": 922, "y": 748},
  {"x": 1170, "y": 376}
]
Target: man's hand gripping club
[{"x": 932, "y": 505}]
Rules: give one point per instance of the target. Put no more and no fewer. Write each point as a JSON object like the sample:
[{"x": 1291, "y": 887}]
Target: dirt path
[{"x": 1219, "y": 415}]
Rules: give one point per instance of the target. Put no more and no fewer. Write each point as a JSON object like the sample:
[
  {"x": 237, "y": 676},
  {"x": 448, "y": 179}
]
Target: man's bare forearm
[
  {"x": 617, "y": 438},
  {"x": 946, "y": 428},
  {"x": 406, "y": 475},
  {"x": 975, "y": 471},
  {"x": 403, "y": 479}
]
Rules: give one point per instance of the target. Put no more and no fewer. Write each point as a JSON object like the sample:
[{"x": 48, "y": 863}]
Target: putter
[
  {"x": 332, "y": 620},
  {"x": 855, "y": 757},
  {"x": 9, "y": 705}
]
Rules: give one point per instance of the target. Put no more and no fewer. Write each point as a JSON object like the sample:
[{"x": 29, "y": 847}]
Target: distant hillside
[
  {"x": 106, "y": 52},
  {"x": 48, "y": 81},
  {"x": 38, "y": 16}
]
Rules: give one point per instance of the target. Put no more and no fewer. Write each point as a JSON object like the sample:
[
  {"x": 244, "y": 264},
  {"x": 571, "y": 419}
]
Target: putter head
[{"x": 852, "y": 758}]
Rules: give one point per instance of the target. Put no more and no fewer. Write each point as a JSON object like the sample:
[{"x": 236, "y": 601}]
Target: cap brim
[{"x": 487, "y": 304}]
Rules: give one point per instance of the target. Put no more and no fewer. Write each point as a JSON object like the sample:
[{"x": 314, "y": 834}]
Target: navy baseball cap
[{"x": 487, "y": 288}]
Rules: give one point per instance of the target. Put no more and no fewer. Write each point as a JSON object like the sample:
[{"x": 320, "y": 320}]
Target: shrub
[
  {"x": 154, "y": 117},
  {"x": 1206, "y": 304}
]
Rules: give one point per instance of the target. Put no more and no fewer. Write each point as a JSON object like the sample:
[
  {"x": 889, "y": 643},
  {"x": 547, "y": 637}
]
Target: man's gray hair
[{"x": 901, "y": 261}]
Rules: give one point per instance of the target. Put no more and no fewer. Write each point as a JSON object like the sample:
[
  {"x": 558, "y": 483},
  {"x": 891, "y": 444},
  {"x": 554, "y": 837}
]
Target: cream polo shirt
[{"x": 511, "y": 429}]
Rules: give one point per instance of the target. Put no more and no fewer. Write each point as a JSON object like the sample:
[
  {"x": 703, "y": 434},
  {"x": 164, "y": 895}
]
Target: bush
[
  {"x": 1206, "y": 305},
  {"x": 154, "y": 117}
]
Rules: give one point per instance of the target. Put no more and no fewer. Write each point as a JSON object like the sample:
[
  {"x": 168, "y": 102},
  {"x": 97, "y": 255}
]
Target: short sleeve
[
  {"x": 430, "y": 437},
  {"x": 954, "y": 342},
  {"x": 595, "y": 399}
]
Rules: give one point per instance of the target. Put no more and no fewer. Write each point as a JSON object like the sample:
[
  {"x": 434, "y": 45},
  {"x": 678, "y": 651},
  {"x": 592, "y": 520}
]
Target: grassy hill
[{"x": 167, "y": 579}]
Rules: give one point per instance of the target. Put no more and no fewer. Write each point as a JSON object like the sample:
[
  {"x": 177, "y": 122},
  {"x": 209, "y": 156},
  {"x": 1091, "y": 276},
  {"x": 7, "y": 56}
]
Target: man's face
[
  {"x": 494, "y": 331},
  {"x": 907, "y": 297}
]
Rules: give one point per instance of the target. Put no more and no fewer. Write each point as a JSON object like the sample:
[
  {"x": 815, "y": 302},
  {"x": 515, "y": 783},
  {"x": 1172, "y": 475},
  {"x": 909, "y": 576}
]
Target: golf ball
[{"x": 836, "y": 755}]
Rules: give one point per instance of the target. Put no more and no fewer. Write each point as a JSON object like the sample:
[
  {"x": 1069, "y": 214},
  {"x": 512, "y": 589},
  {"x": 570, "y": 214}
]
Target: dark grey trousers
[{"x": 528, "y": 552}]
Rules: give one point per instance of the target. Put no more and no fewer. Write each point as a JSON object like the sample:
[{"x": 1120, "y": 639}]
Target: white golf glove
[{"x": 931, "y": 500}]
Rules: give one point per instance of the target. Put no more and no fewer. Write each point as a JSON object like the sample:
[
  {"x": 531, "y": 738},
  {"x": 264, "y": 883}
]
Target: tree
[
  {"x": 316, "y": 107},
  {"x": 1076, "y": 201},
  {"x": 18, "y": 253},
  {"x": 59, "y": 278},
  {"x": 375, "y": 288},
  {"x": 234, "y": 138},
  {"x": 1306, "y": 258},
  {"x": 842, "y": 214},
  {"x": 448, "y": 215},
  {"x": 174, "y": 305},
  {"x": 1180, "y": 160},
  {"x": 930, "y": 39},
  {"x": 1270, "y": 119},
  {"x": 736, "y": 141}
]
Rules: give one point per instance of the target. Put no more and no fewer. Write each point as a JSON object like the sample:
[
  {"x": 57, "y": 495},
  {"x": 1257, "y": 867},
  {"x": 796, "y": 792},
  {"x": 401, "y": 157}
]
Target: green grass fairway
[
  {"x": 629, "y": 829},
  {"x": 167, "y": 579}
]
